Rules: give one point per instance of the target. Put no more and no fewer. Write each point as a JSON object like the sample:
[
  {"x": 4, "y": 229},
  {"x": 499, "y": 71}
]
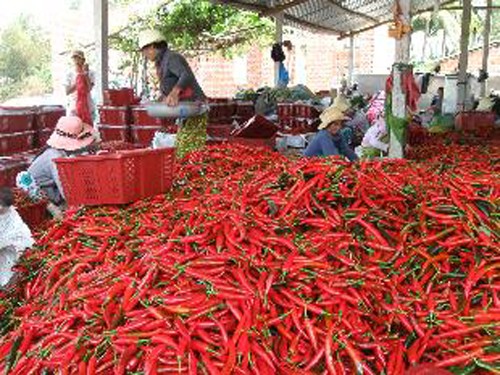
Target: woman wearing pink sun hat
[{"x": 71, "y": 137}]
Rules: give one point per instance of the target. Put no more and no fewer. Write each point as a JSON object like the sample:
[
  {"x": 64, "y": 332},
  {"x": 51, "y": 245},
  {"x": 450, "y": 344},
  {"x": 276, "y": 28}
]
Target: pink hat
[{"x": 71, "y": 134}]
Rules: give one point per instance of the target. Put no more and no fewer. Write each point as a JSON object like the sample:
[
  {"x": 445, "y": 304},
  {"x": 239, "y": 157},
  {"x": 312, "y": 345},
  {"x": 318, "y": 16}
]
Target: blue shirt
[{"x": 328, "y": 144}]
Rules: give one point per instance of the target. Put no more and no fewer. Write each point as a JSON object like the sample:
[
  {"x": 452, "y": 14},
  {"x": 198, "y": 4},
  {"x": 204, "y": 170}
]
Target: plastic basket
[
  {"x": 221, "y": 111},
  {"x": 476, "y": 123},
  {"x": 116, "y": 178},
  {"x": 305, "y": 111},
  {"x": 140, "y": 117},
  {"x": 119, "y": 97},
  {"x": 114, "y": 132},
  {"x": 245, "y": 110},
  {"x": 34, "y": 214},
  {"x": 43, "y": 136},
  {"x": 16, "y": 142},
  {"x": 114, "y": 115},
  {"x": 285, "y": 110},
  {"x": 143, "y": 135},
  {"x": 9, "y": 168},
  {"x": 16, "y": 121},
  {"x": 48, "y": 117},
  {"x": 220, "y": 131}
]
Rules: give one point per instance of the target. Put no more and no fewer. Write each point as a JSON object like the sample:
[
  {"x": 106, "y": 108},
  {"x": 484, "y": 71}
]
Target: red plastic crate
[
  {"x": 114, "y": 133},
  {"x": 269, "y": 143},
  {"x": 17, "y": 142},
  {"x": 245, "y": 110},
  {"x": 140, "y": 117},
  {"x": 119, "y": 97},
  {"x": 285, "y": 110},
  {"x": 476, "y": 123},
  {"x": 9, "y": 168},
  {"x": 116, "y": 178},
  {"x": 143, "y": 135},
  {"x": 47, "y": 117},
  {"x": 305, "y": 111},
  {"x": 221, "y": 111},
  {"x": 43, "y": 136},
  {"x": 34, "y": 214},
  {"x": 16, "y": 121},
  {"x": 220, "y": 131},
  {"x": 114, "y": 115}
]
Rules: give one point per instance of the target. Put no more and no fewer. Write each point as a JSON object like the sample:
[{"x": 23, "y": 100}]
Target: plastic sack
[
  {"x": 163, "y": 140},
  {"x": 8, "y": 258},
  {"x": 183, "y": 110},
  {"x": 485, "y": 104}
]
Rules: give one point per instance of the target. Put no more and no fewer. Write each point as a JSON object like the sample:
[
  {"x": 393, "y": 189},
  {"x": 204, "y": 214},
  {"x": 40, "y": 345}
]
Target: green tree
[
  {"x": 24, "y": 60},
  {"x": 195, "y": 27}
]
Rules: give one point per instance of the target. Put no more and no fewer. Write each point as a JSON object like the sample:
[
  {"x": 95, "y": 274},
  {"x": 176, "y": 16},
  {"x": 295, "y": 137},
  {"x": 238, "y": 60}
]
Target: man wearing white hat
[
  {"x": 328, "y": 141},
  {"x": 177, "y": 83}
]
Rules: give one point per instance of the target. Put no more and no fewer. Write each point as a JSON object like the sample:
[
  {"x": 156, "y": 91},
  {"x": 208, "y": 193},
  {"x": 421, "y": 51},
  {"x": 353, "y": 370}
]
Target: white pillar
[
  {"x": 398, "y": 96},
  {"x": 279, "y": 39},
  {"x": 486, "y": 44},
  {"x": 351, "y": 60},
  {"x": 101, "y": 39},
  {"x": 464, "y": 55},
  {"x": 403, "y": 45}
]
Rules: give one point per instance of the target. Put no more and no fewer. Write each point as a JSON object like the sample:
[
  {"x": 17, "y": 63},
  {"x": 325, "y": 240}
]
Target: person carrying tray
[{"x": 177, "y": 84}]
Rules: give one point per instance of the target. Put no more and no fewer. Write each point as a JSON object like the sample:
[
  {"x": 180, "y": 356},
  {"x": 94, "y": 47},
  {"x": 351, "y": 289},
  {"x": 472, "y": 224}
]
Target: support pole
[
  {"x": 486, "y": 44},
  {"x": 101, "y": 38},
  {"x": 279, "y": 39},
  {"x": 464, "y": 55},
  {"x": 398, "y": 96},
  {"x": 351, "y": 61}
]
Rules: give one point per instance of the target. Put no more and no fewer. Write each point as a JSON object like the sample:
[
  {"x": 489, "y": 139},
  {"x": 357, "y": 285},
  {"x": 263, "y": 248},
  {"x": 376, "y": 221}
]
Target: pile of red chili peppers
[{"x": 256, "y": 263}]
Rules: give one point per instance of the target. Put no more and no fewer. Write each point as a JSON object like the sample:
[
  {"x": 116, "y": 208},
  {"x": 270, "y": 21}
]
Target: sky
[{"x": 38, "y": 8}]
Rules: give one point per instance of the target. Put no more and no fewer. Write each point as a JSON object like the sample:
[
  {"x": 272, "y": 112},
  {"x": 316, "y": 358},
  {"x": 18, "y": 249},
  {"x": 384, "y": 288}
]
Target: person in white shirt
[
  {"x": 15, "y": 236},
  {"x": 80, "y": 67}
]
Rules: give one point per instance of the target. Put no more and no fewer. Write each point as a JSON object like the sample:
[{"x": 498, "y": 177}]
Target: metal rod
[
  {"x": 371, "y": 27},
  {"x": 280, "y": 8},
  {"x": 353, "y": 12},
  {"x": 486, "y": 45},
  {"x": 464, "y": 55}
]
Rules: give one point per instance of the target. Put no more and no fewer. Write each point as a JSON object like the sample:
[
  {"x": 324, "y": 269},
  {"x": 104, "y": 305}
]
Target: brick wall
[
  {"x": 326, "y": 59},
  {"x": 450, "y": 65}
]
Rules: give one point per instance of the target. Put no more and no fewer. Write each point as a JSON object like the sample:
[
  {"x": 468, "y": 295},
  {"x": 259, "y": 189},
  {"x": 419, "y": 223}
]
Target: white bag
[
  {"x": 8, "y": 258},
  {"x": 163, "y": 140}
]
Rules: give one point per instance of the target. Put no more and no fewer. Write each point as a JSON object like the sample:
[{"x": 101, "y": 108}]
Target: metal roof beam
[
  {"x": 280, "y": 8},
  {"x": 368, "y": 28},
  {"x": 262, "y": 9},
  {"x": 250, "y": 7},
  {"x": 353, "y": 12},
  {"x": 312, "y": 25}
]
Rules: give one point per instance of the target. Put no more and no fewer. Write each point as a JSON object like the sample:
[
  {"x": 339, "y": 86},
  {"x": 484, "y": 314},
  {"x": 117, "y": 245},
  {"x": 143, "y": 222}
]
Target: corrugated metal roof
[{"x": 336, "y": 16}]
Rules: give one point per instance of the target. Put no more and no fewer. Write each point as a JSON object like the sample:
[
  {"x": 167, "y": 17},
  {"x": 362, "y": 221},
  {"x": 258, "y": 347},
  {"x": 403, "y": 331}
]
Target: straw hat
[
  {"x": 78, "y": 54},
  {"x": 341, "y": 103},
  {"x": 71, "y": 134},
  {"x": 330, "y": 115},
  {"x": 148, "y": 37}
]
